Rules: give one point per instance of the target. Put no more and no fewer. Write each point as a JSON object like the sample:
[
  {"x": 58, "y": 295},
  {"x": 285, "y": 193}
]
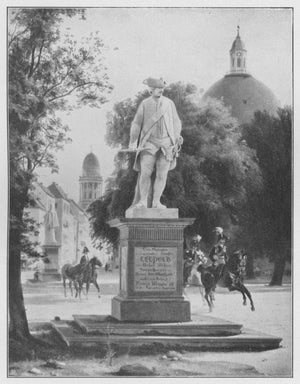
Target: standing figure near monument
[{"x": 155, "y": 136}]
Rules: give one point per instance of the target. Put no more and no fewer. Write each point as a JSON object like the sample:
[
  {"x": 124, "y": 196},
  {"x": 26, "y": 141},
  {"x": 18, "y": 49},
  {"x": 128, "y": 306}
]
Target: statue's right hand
[{"x": 132, "y": 146}]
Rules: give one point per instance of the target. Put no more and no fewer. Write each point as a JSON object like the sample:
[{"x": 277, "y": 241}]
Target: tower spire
[{"x": 238, "y": 55}]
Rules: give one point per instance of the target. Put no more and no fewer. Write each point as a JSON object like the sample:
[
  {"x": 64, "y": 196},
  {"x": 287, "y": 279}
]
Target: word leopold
[{"x": 155, "y": 259}]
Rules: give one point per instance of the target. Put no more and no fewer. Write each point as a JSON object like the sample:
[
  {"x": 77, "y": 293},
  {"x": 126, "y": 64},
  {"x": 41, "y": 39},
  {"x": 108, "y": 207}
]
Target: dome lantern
[
  {"x": 239, "y": 90},
  {"x": 238, "y": 54},
  {"x": 90, "y": 166}
]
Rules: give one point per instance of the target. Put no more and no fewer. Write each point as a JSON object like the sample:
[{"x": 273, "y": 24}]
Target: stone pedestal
[
  {"x": 51, "y": 271},
  {"x": 151, "y": 264}
]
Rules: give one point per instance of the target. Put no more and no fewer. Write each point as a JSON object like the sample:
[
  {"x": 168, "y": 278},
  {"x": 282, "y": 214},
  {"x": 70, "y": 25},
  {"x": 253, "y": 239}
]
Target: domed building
[
  {"x": 239, "y": 90},
  {"x": 90, "y": 182}
]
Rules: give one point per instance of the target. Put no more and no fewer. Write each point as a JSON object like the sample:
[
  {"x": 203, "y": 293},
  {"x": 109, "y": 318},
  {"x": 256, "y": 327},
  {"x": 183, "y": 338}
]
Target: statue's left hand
[{"x": 179, "y": 140}]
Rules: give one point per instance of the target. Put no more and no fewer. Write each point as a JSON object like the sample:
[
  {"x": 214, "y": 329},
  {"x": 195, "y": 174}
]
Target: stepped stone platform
[
  {"x": 207, "y": 333},
  {"x": 203, "y": 327}
]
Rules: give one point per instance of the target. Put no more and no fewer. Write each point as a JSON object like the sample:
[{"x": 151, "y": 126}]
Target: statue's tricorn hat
[
  {"x": 218, "y": 230},
  {"x": 155, "y": 83}
]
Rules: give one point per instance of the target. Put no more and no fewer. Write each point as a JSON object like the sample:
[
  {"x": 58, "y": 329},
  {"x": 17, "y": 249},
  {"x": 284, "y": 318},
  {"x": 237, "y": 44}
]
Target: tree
[
  {"x": 45, "y": 70},
  {"x": 215, "y": 171},
  {"x": 270, "y": 137}
]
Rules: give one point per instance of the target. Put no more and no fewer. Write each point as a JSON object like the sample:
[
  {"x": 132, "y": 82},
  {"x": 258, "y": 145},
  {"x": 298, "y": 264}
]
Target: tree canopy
[
  {"x": 216, "y": 171},
  {"x": 47, "y": 73},
  {"x": 270, "y": 137}
]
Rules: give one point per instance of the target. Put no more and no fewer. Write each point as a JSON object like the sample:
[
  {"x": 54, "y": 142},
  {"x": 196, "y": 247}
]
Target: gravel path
[{"x": 273, "y": 315}]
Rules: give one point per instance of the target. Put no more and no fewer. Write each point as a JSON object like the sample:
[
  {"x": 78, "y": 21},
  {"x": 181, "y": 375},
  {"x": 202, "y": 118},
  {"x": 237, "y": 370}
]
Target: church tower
[
  {"x": 238, "y": 55},
  {"x": 90, "y": 182}
]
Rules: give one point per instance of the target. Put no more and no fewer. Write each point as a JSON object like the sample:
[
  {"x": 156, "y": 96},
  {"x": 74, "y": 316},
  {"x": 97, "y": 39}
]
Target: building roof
[
  {"x": 76, "y": 209},
  {"x": 244, "y": 94},
  {"x": 57, "y": 191},
  {"x": 238, "y": 45},
  {"x": 36, "y": 203},
  {"x": 91, "y": 166},
  {"x": 45, "y": 189}
]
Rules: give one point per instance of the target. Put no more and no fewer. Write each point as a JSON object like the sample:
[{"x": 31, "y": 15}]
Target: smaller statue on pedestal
[
  {"x": 155, "y": 137},
  {"x": 50, "y": 222}
]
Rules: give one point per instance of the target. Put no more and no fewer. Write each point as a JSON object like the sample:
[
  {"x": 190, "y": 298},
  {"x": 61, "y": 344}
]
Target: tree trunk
[
  {"x": 18, "y": 325},
  {"x": 278, "y": 271}
]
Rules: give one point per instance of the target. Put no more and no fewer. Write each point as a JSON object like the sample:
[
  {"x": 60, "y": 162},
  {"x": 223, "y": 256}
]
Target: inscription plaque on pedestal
[{"x": 155, "y": 269}]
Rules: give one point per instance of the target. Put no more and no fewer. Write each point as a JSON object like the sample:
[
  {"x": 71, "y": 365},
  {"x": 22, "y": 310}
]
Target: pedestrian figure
[{"x": 39, "y": 269}]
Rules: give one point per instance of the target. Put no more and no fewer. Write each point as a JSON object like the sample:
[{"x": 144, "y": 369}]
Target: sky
[{"x": 178, "y": 44}]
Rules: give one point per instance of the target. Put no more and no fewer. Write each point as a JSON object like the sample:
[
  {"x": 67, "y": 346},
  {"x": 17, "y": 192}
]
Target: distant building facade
[
  {"x": 90, "y": 182},
  {"x": 239, "y": 90},
  {"x": 73, "y": 231},
  {"x": 70, "y": 233},
  {"x": 64, "y": 228}
]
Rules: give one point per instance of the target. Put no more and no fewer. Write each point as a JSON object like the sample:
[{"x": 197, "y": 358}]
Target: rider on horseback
[
  {"x": 199, "y": 258},
  {"x": 85, "y": 257},
  {"x": 238, "y": 266},
  {"x": 218, "y": 254}
]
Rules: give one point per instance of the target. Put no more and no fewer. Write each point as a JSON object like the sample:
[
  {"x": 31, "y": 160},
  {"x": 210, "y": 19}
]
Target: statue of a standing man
[
  {"x": 155, "y": 135},
  {"x": 51, "y": 222}
]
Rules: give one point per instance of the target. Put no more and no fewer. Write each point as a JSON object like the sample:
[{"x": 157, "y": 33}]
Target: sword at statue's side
[{"x": 129, "y": 150}]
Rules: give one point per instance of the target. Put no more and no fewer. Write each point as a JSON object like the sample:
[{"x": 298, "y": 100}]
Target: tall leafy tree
[
  {"x": 270, "y": 136},
  {"x": 215, "y": 172},
  {"x": 47, "y": 73}
]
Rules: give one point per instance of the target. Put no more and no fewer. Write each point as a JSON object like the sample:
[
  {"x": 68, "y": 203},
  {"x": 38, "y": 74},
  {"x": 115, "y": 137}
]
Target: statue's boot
[
  {"x": 158, "y": 205},
  {"x": 141, "y": 204}
]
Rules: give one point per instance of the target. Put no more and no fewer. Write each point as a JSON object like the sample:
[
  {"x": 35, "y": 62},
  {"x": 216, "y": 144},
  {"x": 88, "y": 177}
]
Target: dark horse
[
  {"x": 232, "y": 274},
  {"x": 90, "y": 276},
  {"x": 81, "y": 274}
]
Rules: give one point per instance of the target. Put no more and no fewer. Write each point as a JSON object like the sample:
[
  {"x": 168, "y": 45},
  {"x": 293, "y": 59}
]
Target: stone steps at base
[
  {"x": 203, "y": 326},
  {"x": 247, "y": 340}
]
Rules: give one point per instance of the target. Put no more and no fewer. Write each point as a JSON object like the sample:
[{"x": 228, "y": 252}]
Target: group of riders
[
  {"x": 214, "y": 263},
  {"x": 208, "y": 270}
]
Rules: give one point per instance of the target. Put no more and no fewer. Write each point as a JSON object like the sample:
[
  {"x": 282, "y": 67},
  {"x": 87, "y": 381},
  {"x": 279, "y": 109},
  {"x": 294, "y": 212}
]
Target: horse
[
  {"x": 232, "y": 274},
  {"x": 208, "y": 280},
  {"x": 89, "y": 276},
  {"x": 188, "y": 264},
  {"x": 70, "y": 272},
  {"x": 80, "y": 274}
]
